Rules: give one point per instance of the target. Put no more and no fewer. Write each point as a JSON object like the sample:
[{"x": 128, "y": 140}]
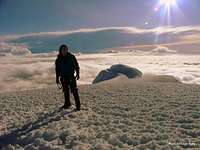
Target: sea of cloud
[
  {"x": 175, "y": 53},
  {"x": 38, "y": 70}
]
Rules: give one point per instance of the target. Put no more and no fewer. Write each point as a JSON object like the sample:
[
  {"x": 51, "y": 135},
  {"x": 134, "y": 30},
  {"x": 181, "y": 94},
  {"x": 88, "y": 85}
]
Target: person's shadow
[{"x": 12, "y": 137}]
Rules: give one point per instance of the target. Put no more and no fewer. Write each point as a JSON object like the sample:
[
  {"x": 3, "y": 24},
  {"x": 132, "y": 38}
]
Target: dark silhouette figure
[{"x": 66, "y": 66}]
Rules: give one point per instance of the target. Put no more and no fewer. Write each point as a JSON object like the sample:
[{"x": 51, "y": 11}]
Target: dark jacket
[{"x": 66, "y": 66}]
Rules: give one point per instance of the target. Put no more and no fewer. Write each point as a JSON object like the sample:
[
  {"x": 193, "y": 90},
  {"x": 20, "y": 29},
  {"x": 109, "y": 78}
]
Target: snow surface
[{"x": 119, "y": 113}]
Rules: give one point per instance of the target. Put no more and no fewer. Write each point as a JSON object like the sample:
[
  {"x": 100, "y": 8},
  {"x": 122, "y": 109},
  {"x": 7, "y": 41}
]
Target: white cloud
[
  {"x": 131, "y": 30},
  {"x": 163, "y": 50},
  {"x": 13, "y": 49},
  {"x": 97, "y": 39},
  {"x": 35, "y": 72}
]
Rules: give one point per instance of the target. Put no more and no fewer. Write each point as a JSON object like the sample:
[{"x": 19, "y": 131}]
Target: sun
[{"x": 168, "y": 2}]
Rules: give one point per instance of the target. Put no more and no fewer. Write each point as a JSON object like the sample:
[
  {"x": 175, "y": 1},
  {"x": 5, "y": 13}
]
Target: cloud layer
[
  {"x": 35, "y": 71},
  {"x": 27, "y": 61},
  {"x": 13, "y": 49},
  {"x": 184, "y": 39},
  {"x": 163, "y": 50}
]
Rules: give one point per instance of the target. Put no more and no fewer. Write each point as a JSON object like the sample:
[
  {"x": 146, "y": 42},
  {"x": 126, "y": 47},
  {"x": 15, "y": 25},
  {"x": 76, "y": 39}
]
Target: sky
[
  {"x": 40, "y": 26},
  {"x": 27, "y": 16}
]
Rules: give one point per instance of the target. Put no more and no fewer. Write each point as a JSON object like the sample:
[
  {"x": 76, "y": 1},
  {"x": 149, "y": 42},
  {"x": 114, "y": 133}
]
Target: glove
[{"x": 77, "y": 77}]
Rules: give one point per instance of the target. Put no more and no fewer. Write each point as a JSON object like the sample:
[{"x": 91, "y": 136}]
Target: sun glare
[
  {"x": 167, "y": 2},
  {"x": 167, "y": 8}
]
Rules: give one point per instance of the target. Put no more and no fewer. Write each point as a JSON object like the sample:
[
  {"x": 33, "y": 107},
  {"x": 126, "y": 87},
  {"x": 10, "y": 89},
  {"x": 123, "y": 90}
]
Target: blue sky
[{"x": 27, "y": 16}]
